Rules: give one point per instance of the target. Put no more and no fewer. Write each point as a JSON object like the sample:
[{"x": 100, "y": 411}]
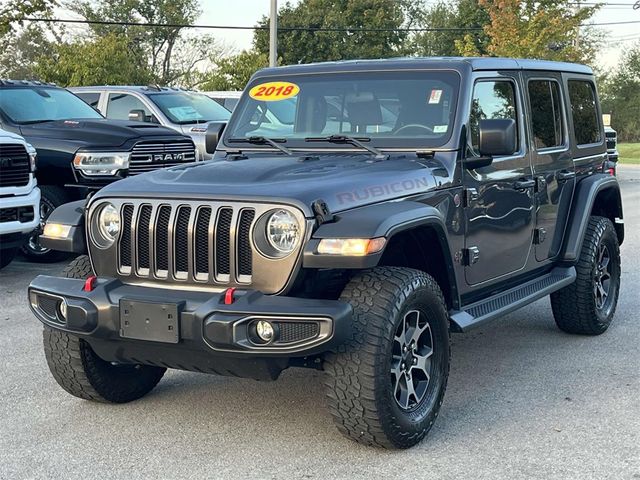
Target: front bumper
[
  {"x": 210, "y": 335},
  {"x": 15, "y": 205}
]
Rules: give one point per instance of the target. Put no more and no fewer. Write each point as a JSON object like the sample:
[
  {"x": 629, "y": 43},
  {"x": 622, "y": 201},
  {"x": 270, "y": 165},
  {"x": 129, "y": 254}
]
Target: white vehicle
[
  {"x": 184, "y": 111},
  {"x": 19, "y": 195},
  {"x": 228, "y": 100}
]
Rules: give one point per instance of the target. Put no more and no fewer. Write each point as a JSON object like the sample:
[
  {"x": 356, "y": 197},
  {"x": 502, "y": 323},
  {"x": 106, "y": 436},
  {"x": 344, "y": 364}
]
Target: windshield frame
[
  {"x": 444, "y": 143},
  {"x": 4, "y": 113},
  {"x": 172, "y": 119}
]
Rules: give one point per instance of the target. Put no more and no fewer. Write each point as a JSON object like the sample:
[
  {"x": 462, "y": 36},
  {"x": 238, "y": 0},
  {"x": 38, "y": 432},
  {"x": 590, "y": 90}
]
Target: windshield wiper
[
  {"x": 357, "y": 141},
  {"x": 259, "y": 140}
]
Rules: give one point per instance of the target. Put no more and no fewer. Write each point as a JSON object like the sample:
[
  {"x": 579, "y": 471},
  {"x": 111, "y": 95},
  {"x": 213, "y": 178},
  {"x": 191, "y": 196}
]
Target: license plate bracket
[{"x": 151, "y": 321}]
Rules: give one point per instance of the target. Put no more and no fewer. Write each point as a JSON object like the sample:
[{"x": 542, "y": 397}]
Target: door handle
[
  {"x": 565, "y": 175},
  {"x": 524, "y": 184}
]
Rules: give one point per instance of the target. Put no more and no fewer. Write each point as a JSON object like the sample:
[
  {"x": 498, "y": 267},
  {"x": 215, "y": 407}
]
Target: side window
[
  {"x": 546, "y": 113},
  {"x": 586, "y": 125},
  {"x": 491, "y": 99},
  {"x": 90, "y": 98},
  {"x": 120, "y": 105}
]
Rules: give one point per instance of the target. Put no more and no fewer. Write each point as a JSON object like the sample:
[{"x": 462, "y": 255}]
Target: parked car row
[{"x": 90, "y": 138}]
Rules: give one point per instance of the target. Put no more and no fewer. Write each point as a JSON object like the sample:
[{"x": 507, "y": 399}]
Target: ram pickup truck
[
  {"x": 19, "y": 195},
  {"x": 401, "y": 201},
  {"x": 79, "y": 151},
  {"x": 184, "y": 111}
]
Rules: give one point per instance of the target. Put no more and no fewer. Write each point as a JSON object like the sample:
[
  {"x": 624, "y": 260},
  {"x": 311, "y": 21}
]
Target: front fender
[
  {"x": 382, "y": 220},
  {"x": 72, "y": 215},
  {"x": 596, "y": 195}
]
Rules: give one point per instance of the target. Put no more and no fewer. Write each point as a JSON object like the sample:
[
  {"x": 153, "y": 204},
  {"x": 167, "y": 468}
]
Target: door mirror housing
[
  {"x": 498, "y": 137},
  {"x": 213, "y": 135},
  {"x": 137, "y": 116}
]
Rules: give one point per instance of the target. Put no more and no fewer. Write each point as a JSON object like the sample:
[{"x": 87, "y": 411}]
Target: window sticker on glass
[
  {"x": 439, "y": 128},
  {"x": 274, "y": 91},
  {"x": 435, "y": 96},
  {"x": 184, "y": 113}
]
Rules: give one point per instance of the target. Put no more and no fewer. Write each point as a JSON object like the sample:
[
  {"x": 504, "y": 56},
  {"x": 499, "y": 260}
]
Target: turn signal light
[{"x": 351, "y": 247}]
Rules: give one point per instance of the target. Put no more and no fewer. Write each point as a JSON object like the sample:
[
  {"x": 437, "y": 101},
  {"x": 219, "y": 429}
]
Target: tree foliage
[
  {"x": 13, "y": 12},
  {"x": 233, "y": 72},
  {"x": 458, "y": 14},
  {"x": 306, "y": 46},
  {"x": 543, "y": 29},
  {"x": 620, "y": 95}
]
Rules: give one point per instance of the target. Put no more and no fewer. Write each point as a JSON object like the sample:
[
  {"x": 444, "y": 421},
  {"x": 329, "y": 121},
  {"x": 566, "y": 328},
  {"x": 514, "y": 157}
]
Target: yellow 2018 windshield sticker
[{"x": 274, "y": 91}]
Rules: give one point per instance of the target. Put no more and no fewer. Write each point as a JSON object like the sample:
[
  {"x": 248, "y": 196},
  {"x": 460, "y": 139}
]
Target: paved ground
[{"x": 524, "y": 401}]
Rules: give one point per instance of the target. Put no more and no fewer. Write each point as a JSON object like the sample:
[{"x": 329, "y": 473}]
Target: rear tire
[
  {"x": 51, "y": 197},
  {"x": 78, "y": 369},
  {"x": 587, "y": 306},
  {"x": 379, "y": 392}
]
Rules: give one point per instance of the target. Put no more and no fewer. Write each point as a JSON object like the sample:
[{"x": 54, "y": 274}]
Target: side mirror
[
  {"x": 214, "y": 132},
  {"x": 498, "y": 137},
  {"x": 137, "y": 116}
]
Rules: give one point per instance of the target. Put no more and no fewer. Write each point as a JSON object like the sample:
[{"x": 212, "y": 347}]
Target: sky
[{"x": 618, "y": 38}]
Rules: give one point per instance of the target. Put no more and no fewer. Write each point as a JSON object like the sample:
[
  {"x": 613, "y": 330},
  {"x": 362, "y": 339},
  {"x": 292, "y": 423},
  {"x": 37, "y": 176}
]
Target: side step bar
[{"x": 504, "y": 302}]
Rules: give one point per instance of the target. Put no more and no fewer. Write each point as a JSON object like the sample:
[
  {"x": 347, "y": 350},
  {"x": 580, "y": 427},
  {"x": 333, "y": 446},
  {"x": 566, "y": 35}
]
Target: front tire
[
  {"x": 78, "y": 369},
  {"x": 385, "y": 386},
  {"x": 587, "y": 306},
  {"x": 51, "y": 197}
]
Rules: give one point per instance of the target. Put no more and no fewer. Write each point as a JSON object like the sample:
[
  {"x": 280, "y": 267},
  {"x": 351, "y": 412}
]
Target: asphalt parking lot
[{"x": 524, "y": 401}]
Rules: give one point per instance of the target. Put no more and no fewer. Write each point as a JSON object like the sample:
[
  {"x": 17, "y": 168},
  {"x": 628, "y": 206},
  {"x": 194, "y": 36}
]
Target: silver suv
[{"x": 185, "y": 111}]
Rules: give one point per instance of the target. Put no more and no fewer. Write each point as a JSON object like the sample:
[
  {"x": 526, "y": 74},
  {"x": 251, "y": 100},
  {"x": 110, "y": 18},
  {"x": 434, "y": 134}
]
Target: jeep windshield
[
  {"x": 396, "y": 109},
  {"x": 184, "y": 108},
  {"x": 25, "y": 106}
]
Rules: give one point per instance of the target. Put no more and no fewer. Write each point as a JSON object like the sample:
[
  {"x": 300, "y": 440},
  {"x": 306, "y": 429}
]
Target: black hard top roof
[{"x": 436, "y": 63}]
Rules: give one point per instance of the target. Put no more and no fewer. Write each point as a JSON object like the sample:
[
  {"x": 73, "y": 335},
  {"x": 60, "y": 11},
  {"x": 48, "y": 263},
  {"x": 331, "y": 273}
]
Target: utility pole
[{"x": 273, "y": 34}]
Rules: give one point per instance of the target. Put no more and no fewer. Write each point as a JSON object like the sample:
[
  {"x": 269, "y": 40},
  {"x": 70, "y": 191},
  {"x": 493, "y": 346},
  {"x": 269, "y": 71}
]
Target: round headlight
[
  {"x": 283, "y": 231},
  {"x": 109, "y": 222}
]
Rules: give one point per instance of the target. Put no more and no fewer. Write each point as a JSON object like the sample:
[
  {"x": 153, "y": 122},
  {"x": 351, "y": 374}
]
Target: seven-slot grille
[
  {"x": 186, "y": 242},
  {"x": 14, "y": 165},
  {"x": 148, "y": 156}
]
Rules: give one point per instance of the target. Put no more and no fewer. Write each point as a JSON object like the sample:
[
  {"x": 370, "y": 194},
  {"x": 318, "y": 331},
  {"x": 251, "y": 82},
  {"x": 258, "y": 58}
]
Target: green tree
[
  {"x": 104, "y": 61},
  {"x": 23, "y": 49},
  {"x": 544, "y": 29},
  {"x": 458, "y": 14},
  {"x": 303, "y": 46},
  {"x": 161, "y": 50},
  {"x": 620, "y": 94},
  {"x": 233, "y": 72},
  {"x": 13, "y": 12}
]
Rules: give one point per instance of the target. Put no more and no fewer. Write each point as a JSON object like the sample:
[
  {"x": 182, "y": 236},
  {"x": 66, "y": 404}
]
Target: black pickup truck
[
  {"x": 78, "y": 149},
  {"x": 355, "y": 215}
]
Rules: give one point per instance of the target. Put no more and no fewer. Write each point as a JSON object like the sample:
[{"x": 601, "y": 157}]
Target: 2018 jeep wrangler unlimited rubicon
[{"x": 355, "y": 215}]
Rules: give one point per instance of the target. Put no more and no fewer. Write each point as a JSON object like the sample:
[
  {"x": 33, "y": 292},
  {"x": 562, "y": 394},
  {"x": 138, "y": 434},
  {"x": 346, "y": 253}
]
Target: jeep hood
[
  {"x": 93, "y": 132},
  {"x": 342, "y": 181}
]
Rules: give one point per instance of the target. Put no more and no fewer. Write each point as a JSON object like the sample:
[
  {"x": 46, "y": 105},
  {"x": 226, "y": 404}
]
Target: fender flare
[
  {"x": 72, "y": 215},
  {"x": 381, "y": 220},
  {"x": 584, "y": 201}
]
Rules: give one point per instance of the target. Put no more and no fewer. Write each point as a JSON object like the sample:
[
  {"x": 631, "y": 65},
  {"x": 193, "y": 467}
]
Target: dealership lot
[{"x": 524, "y": 400}]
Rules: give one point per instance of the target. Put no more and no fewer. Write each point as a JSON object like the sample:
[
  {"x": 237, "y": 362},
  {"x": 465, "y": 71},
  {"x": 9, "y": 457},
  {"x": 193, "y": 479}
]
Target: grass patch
[{"x": 629, "y": 153}]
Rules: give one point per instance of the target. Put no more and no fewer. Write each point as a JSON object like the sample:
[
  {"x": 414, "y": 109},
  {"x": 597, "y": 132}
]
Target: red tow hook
[
  {"x": 90, "y": 283},
  {"x": 228, "y": 296}
]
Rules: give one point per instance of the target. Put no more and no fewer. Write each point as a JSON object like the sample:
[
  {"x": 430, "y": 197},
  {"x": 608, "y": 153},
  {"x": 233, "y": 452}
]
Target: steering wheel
[{"x": 413, "y": 125}]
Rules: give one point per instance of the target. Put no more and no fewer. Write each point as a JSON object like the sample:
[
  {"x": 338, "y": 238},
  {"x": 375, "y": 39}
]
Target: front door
[
  {"x": 552, "y": 161},
  {"x": 499, "y": 198}
]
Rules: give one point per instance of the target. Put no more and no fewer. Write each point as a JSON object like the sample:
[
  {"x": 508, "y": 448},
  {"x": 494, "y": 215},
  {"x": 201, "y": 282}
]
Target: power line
[{"x": 286, "y": 29}]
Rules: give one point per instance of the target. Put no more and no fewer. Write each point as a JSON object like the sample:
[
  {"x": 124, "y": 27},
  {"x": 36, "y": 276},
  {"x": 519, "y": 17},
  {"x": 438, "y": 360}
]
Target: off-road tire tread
[
  {"x": 80, "y": 267},
  {"x": 376, "y": 297},
  {"x": 573, "y": 306},
  {"x": 79, "y": 371}
]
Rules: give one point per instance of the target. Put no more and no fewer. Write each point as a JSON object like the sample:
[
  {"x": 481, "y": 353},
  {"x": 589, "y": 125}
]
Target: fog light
[
  {"x": 264, "y": 330},
  {"x": 62, "y": 309}
]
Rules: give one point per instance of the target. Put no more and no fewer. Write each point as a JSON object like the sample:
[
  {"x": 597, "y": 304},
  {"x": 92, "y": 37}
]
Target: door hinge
[
  {"x": 539, "y": 235},
  {"x": 469, "y": 195},
  {"x": 470, "y": 256}
]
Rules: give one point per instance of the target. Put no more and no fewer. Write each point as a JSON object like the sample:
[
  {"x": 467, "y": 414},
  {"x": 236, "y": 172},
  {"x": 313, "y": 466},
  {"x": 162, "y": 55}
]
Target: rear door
[{"x": 552, "y": 162}]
